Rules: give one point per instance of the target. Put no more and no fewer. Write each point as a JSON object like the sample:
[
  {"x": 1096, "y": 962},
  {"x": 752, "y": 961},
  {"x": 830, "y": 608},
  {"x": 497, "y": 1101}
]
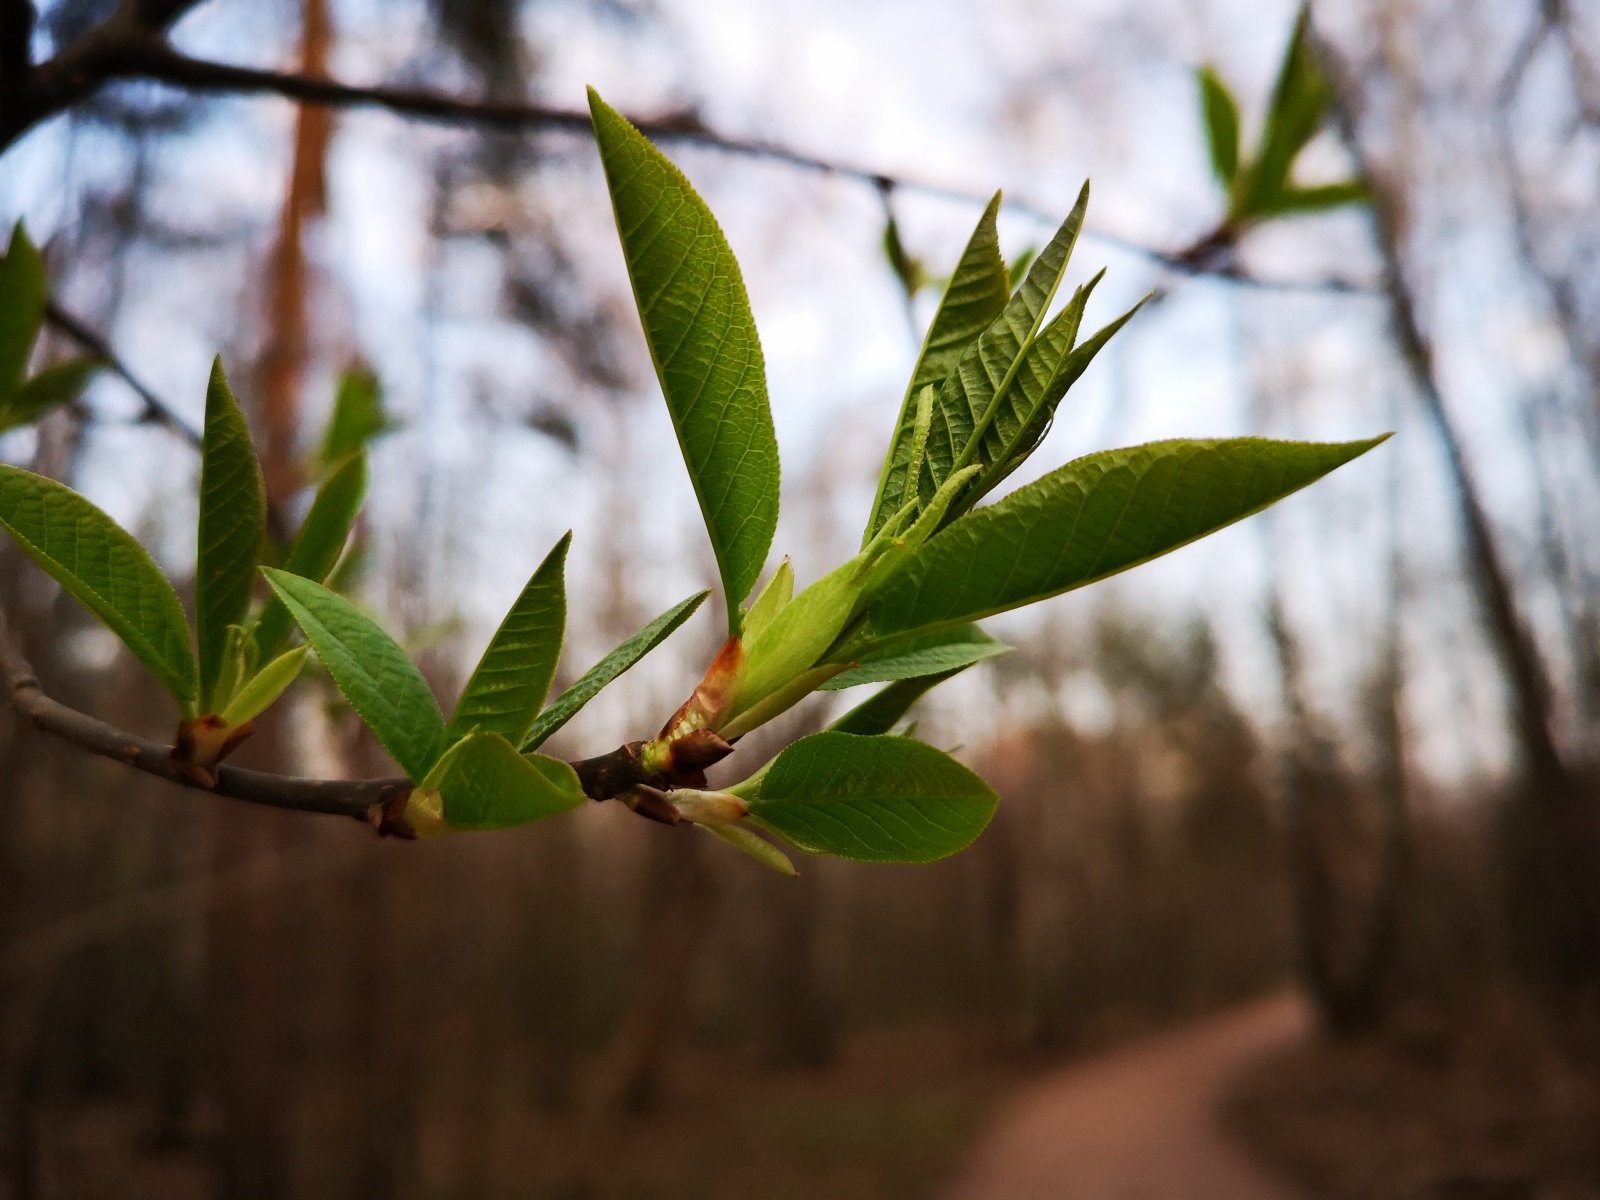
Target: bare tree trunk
[{"x": 1553, "y": 824}]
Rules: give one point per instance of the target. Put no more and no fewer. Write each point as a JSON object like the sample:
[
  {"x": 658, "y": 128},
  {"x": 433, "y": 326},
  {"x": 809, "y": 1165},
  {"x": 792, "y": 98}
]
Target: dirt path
[{"x": 1137, "y": 1124}]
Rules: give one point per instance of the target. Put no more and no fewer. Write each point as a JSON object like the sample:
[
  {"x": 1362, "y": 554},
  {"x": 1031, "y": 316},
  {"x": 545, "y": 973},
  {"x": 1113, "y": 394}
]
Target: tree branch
[{"x": 126, "y": 50}]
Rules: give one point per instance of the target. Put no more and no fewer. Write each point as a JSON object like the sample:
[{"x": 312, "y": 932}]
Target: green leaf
[
  {"x": 265, "y": 686},
  {"x": 513, "y": 676},
  {"x": 907, "y": 269},
  {"x": 103, "y": 566},
  {"x": 880, "y": 712},
  {"x": 233, "y": 516},
  {"x": 381, "y": 682},
  {"x": 976, "y": 388},
  {"x": 1018, "y": 270},
  {"x": 58, "y": 384},
  {"x": 22, "y": 299},
  {"x": 974, "y": 297},
  {"x": 486, "y": 784},
  {"x": 1299, "y": 100},
  {"x": 358, "y": 417},
  {"x": 772, "y": 600},
  {"x": 566, "y": 705},
  {"x": 874, "y": 799},
  {"x": 1320, "y": 198},
  {"x": 703, "y": 342},
  {"x": 1092, "y": 518},
  {"x": 318, "y": 545},
  {"x": 1221, "y": 115},
  {"x": 747, "y": 841},
  {"x": 936, "y": 654}
]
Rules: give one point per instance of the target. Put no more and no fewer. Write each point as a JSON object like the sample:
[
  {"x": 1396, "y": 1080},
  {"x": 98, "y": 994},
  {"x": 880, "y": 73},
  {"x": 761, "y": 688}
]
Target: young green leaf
[
  {"x": 566, "y": 705},
  {"x": 233, "y": 514},
  {"x": 265, "y": 686},
  {"x": 381, "y": 682},
  {"x": 318, "y": 544},
  {"x": 486, "y": 784},
  {"x": 1299, "y": 100},
  {"x": 772, "y": 600},
  {"x": 58, "y": 384},
  {"x": 513, "y": 676},
  {"x": 1320, "y": 198},
  {"x": 974, "y": 297},
  {"x": 1089, "y": 519},
  {"x": 874, "y": 799},
  {"x": 881, "y": 712},
  {"x": 702, "y": 337},
  {"x": 975, "y": 389},
  {"x": 103, "y": 566},
  {"x": 358, "y": 417},
  {"x": 22, "y": 298},
  {"x": 936, "y": 654},
  {"x": 747, "y": 841},
  {"x": 1221, "y": 115}
]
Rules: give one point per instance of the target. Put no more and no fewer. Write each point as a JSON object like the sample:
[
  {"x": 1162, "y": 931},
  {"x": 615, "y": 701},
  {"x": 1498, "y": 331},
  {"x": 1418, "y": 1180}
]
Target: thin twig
[
  {"x": 135, "y": 54},
  {"x": 156, "y": 410}
]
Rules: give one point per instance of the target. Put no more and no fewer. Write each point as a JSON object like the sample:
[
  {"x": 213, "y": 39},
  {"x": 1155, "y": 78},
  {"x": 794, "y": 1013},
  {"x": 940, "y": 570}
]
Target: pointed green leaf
[
  {"x": 772, "y": 600},
  {"x": 566, "y": 705},
  {"x": 974, "y": 297},
  {"x": 1221, "y": 115},
  {"x": 874, "y": 799},
  {"x": 265, "y": 686},
  {"x": 103, "y": 566},
  {"x": 1018, "y": 270},
  {"x": 23, "y": 290},
  {"x": 1299, "y": 101},
  {"x": 1092, "y": 518},
  {"x": 233, "y": 516},
  {"x": 486, "y": 784},
  {"x": 318, "y": 545},
  {"x": 936, "y": 654},
  {"x": 972, "y": 393},
  {"x": 880, "y": 712},
  {"x": 512, "y": 678},
  {"x": 747, "y": 841},
  {"x": 58, "y": 384},
  {"x": 381, "y": 682},
  {"x": 703, "y": 342},
  {"x": 357, "y": 418},
  {"x": 1319, "y": 198}
]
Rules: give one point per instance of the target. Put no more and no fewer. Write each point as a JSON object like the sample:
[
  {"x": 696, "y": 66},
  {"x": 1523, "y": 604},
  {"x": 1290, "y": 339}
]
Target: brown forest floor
[{"x": 1478, "y": 1100}]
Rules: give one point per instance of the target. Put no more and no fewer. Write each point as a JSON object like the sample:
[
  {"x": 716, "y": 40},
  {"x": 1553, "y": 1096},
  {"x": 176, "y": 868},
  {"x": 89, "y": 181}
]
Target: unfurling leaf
[
  {"x": 1092, "y": 518},
  {"x": 1321, "y": 197},
  {"x": 486, "y": 784},
  {"x": 566, "y": 705},
  {"x": 22, "y": 300},
  {"x": 233, "y": 510},
  {"x": 882, "y": 711},
  {"x": 1221, "y": 115},
  {"x": 1300, "y": 99},
  {"x": 747, "y": 841},
  {"x": 974, "y": 297},
  {"x": 512, "y": 678},
  {"x": 936, "y": 654},
  {"x": 379, "y": 679},
  {"x": 58, "y": 384},
  {"x": 875, "y": 799},
  {"x": 318, "y": 544},
  {"x": 702, "y": 337},
  {"x": 104, "y": 567},
  {"x": 772, "y": 600},
  {"x": 265, "y": 686}
]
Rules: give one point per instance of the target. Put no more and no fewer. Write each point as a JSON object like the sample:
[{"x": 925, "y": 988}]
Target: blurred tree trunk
[{"x": 1552, "y": 826}]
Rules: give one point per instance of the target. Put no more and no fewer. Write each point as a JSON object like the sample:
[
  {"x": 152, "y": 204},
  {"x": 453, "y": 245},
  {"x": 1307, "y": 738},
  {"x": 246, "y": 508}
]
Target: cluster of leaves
[
  {"x": 23, "y": 294},
  {"x": 1261, "y": 187},
  {"x": 997, "y": 361}
]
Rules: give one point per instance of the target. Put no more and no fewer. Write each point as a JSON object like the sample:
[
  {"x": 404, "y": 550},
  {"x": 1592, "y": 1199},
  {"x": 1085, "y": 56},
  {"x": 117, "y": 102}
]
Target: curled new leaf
[
  {"x": 882, "y": 711},
  {"x": 703, "y": 342},
  {"x": 58, "y": 384},
  {"x": 22, "y": 301},
  {"x": 875, "y": 799},
  {"x": 233, "y": 511},
  {"x": 103, "y": 566},
  {"x": 485, "y": 784},
  {"x": 379, "y": 679},
  {"x": 936, "y": 654},
  {"x": 1221, "y": 115},
  {"x": 566, "y": 705}
]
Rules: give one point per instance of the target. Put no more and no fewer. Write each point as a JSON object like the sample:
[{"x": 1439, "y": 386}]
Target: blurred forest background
[{"x": 1352, "y": 742}]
